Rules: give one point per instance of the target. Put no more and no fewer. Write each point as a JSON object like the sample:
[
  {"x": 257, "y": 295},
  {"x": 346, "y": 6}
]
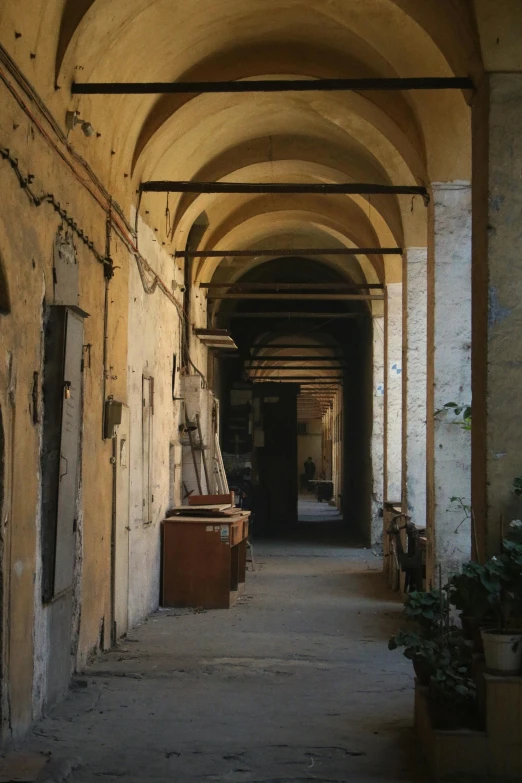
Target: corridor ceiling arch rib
[
  {"x": 347, "y": 218},
  {"x": 291, "y": 229},
  {"x": 202, "y": 40}
]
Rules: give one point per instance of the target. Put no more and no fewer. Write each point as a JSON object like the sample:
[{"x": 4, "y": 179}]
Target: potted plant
[
  {"x": 429, "y": 652},
  {"x": 420, "y": 650},
  {"x": 431, "y": 638},
  {"x": 471, "y": 592},
  {"x": 428, "y": 608},
  {"x": 503, "y": 643}
]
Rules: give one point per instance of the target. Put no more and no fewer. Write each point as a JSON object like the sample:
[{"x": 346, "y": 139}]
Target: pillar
[
  {"x": 497, "y": 306},
  {"x": 414, "y": 390},
  {"x": 378, "y": 430},
  {"x": 393, "y": 394},
  {"x": 448, "y": 457}
]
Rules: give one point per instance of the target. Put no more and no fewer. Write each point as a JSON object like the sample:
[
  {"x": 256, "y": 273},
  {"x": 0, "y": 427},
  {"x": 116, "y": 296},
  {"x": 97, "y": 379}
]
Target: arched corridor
[
  {"x": 268, "y": 247},
  {"x": 295, "y": 683}
]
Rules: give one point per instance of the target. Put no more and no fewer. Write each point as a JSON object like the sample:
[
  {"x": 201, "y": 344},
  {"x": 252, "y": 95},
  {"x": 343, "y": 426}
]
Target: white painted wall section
[
  {"x": 451, "y": 371},
  {"x": 154, "y": 338},
  {"x": 393, "y": 393},
  {"x": 415, "y": 382},
  {"x": 378, "y": 431}
]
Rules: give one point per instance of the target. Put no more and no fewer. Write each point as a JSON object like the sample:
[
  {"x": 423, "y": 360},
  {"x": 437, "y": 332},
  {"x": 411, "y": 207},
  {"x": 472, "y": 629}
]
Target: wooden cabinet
[{"x": 204, "y": 561}]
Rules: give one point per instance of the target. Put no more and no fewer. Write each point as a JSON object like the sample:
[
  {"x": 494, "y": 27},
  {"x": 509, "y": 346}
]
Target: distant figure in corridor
[{"x": 309, "y": 467}]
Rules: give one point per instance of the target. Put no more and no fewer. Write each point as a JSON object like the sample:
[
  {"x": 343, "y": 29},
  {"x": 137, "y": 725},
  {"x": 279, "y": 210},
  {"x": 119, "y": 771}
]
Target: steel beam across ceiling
[
  {"x": 327, "y": 316},
  {"x": 274, "y": 85},
  {"x": 274, "y": 297},
  {"x": 345, "y": 188},
  {"x": 314, "y": 359},
  {"x": 335, "y": 251},
  {"x": 294, "y": 286}
]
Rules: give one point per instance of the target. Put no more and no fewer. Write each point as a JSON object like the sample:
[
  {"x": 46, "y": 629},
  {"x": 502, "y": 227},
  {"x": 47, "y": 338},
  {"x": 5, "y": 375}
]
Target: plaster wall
[
  {"x": 154, "y": 339},
  {"x": 497, "y": 309},
  {"x": 377, "y": 455},
  {"x": 393, "y": 392},
  {"x": 414, "y": 383},
  {"x": 338, "y": 415},
  {"x": 27, "y": 236},
  {"x": 449, "y": 380}
]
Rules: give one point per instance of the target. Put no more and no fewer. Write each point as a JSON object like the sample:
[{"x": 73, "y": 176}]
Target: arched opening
[{"x": 289, "y": 323}]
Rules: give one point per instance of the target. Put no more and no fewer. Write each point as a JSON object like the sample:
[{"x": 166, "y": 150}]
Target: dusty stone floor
[{"x": 295, "y": 683}]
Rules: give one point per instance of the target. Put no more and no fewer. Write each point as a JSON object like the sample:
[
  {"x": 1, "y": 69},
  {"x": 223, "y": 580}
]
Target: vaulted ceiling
[{"x": 404, "y": 138}]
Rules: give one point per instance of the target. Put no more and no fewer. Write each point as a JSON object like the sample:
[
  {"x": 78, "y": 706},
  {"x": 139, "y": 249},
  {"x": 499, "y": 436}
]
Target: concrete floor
[{"x": 295, "y": 683}]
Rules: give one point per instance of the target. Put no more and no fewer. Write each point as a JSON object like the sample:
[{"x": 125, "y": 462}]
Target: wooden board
[
  {"x": 201, "y": 511},
  {"x": 216, "y": 507},
  {"x": 209, "y": 500},
  {"x": 199, "y": 520}
]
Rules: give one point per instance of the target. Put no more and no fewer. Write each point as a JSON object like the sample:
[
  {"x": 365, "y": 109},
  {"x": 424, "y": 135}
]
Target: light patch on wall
[{"x": 18, "y": 568}]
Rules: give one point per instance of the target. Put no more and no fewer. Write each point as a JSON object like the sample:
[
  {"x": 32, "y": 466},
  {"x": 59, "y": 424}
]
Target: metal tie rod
[
  {"x": 300, "y": 251},
  {"x": 302, "y": 379},
  {"x": 296, "y": 315},
  {"x": 264, "y": 346},
  {"x": 273, "y": 85},
  {"x": 337, "y": 286},
  {"x": 315, "y": 359},
  {"x": 275, "y": 297},
  {"x": 345, "y": 188}
]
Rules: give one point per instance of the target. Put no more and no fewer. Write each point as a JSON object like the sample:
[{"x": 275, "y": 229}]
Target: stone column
[
  {"x": 393, "y": 394},
  {"x": 415, "y": 321},
  {"x": 378, "y": 430},
  {"x": 449, "y": 376},
  {"x": 497, "y": 306}
]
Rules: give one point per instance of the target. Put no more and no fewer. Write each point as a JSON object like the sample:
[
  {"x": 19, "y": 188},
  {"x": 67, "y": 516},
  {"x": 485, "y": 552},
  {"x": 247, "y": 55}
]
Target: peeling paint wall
[
  {"x": 449, "y": 354},
  {"x": 154, "y": 339},
  {"x": 497, "y": 321},
  {"x": 393, "y": 393},
  {"x": 414, "y": 383},
  {"x": 27, "y": 235},
  {"x": 378, "y": 431}
]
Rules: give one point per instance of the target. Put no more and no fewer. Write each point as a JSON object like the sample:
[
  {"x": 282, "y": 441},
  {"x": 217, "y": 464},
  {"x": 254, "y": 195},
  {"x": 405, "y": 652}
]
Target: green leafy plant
[
  {"x": 517, "y": 485},
  {"x": 428, "y": 608},
  {"x": 475, "y": 590},
  {"x": 452, "y": 684},
  {"x": 460, "y": 411},
  {"x": 464, "y": 507}
]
